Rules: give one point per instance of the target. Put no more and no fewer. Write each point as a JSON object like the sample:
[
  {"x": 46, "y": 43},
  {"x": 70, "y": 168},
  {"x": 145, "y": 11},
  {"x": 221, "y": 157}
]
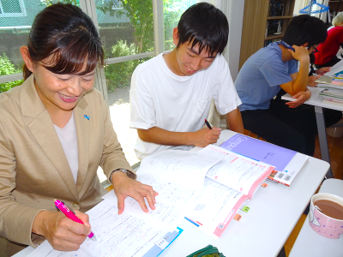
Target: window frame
[{"x": 21, "y": 14}]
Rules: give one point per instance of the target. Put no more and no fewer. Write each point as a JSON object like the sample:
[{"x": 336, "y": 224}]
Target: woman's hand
[
  {"x": 124, "y": 186},
  {"x": 300, "y": 97},
  {"x": 62, "y": 233}
]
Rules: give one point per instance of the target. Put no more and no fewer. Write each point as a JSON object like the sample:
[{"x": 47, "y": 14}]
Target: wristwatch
[
  {"x": 127, "y": 172},
  {"x": 122, "y": 170}
]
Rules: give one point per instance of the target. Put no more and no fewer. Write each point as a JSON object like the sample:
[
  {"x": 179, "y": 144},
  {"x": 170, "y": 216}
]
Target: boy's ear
[
  {"x": 24, "y": 50},
  {"x": 305, "y": 45},
  {"x": 176, "y": 36}
]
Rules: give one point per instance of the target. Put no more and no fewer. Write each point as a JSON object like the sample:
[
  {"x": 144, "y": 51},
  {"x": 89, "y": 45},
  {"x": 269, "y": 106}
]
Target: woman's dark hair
[
  {"x": 69, "y": 35},
  {"x": 205, "y": 25},
  {"x": 305, "y": 29}
]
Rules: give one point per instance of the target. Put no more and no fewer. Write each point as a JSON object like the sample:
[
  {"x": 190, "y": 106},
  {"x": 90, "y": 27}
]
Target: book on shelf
[
  {"x": 287, "y": 163},
  {"x": 207, "y": 187},
  {"x": 276, "y": 8},
  {"x": 273, "y": 28},
  {"x": 124, "y": 235}
]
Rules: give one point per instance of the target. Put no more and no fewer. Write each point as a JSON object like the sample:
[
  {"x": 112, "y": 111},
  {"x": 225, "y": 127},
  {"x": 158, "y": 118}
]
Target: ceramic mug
[{"x": 323, "y": 224}]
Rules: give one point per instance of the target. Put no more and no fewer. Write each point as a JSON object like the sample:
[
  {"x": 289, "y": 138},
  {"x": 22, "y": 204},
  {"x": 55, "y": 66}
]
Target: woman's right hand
[{"x": 62, "y": 233}]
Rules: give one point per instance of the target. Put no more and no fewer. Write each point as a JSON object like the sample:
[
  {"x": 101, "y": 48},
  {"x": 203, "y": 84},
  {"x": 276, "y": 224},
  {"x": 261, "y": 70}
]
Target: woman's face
[{"x": 60, "y": 92}]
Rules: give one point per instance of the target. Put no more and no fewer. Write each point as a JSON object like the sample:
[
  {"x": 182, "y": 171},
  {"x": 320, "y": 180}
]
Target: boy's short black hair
[
  {"x": 305, "y": 29},
  {"x": 205, "y": 25}
]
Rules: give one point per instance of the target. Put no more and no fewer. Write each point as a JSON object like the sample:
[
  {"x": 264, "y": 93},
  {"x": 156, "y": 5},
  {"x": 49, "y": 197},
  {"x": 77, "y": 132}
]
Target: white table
[
  {"x": 309, "y": 243},
  {"x": 274, "y": 212},
  {"x": 317, "y": 101}
]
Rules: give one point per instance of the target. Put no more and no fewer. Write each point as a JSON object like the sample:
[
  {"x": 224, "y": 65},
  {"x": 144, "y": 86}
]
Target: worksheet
[
  {"x": 177, "y": 176},
  {"x": 46, "y": 250},
  {"x": 170, "y": 203},
  {"x": 185, "y": 168},
  {"x": 214, "y": 207},
  {"x": 116, "y": 236},
  {"x": 238, "y": 172}
]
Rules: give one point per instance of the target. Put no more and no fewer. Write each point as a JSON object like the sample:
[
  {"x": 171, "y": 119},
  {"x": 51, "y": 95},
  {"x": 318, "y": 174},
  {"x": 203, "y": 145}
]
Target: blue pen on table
[
  {"x": 71, "y": 215},
  {"x": 208, "y": 124}
]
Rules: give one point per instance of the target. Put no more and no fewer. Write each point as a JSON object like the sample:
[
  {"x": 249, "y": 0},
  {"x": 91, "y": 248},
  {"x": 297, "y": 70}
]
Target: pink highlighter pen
[{"x": 71, "y": 215}]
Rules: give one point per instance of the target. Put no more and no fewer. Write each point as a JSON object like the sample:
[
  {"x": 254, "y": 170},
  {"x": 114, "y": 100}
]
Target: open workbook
[
  {"x": 208, "y": 187},
  {"x": 287, "y": 163}
]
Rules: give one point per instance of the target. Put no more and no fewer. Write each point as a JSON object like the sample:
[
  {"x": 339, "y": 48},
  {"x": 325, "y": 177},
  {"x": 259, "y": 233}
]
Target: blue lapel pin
[{"x": 87, "y": 117}]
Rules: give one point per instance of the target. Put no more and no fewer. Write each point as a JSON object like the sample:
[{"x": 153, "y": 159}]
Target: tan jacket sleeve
[{"x": 113, "y": 156}]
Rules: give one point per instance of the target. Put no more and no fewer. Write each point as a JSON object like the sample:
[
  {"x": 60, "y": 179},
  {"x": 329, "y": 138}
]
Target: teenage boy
[
  {"x": 273, "y": 68},
  {"x": 171, "y": 94}
]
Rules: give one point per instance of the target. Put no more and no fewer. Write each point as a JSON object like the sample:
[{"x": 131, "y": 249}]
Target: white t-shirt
[
  {"x": 68, "y": 139},
  {"x": 160, "y": 98}
]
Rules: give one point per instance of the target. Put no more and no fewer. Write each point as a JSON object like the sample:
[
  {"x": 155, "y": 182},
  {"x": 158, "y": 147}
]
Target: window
[
  {"x": 172, "y": 11},
  {"x": 12, "y": 8}
]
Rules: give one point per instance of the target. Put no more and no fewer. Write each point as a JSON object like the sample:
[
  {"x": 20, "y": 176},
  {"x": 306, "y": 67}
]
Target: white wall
[{"x": 234, "y": 11}]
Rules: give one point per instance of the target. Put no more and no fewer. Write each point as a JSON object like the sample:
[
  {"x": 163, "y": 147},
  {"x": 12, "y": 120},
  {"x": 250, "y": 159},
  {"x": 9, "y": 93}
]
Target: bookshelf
[
  {"x": 335, "y": 7},
  {"x": 263, "y": 22}
]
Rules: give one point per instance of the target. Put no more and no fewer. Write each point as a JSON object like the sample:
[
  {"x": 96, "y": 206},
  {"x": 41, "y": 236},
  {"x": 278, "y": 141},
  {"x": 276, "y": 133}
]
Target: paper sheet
[
  {"x": 239, "y": 172},
  {"x": 170, "y": 203},
  {"x": 177, "y": 176},
  {"x": 46, "y": 250},
  {"x": 117, "y": 236},
  {"x": 214, "y": 207},
  {"x": 181, "y": 167}
]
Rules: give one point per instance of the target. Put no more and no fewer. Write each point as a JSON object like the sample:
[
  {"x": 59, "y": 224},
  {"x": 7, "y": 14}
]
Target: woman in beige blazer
[{"x": 60, "y": 60}]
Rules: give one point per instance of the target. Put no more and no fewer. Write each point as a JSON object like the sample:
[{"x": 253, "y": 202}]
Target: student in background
[
  {"x": 327, "y": 51},
  {"x": 171, "y": 94},
  {"x": 55, "y": 130},
  {"x": 273, "y": 68},
  {"x": 337, "y": 20}
]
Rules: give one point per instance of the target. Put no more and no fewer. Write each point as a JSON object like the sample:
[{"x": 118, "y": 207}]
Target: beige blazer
[{"x": 33, "y": 167}]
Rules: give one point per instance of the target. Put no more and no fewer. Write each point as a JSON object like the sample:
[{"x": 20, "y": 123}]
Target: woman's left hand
[
  {"x": 300, "y": 97},
  {"x": 124, "y": 186}
]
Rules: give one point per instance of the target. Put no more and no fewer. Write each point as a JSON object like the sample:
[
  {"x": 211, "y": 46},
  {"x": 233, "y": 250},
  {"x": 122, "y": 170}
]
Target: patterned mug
[{"x": 324, "y": 225}]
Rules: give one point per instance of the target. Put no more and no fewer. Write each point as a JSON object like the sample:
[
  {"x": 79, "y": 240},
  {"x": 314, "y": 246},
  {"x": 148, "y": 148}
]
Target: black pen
[{"x": 208, "y": 124}]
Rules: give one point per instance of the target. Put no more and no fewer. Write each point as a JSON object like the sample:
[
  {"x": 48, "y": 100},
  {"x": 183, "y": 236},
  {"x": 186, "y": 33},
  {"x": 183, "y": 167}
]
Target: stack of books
[
  {"x": 332, "y": 95},
  {"x": 332, "y": 87}
]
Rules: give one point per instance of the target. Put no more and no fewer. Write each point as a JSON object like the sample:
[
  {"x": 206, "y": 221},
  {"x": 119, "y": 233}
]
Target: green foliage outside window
[
  {"x": 140, "y": 15},
  {"x": 172, "y": 11},
  {"x": 50, "y": 2},
  {"x": 7, "y": 68},
  {"x": 119, "y": 74}
]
